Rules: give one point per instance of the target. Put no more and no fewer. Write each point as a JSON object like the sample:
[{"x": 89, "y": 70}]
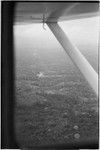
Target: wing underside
[{"x": 38, "y": 12}]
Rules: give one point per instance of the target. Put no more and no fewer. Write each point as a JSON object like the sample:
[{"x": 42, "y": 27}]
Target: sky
[
  {"x": 79, "y": 31},
  {"x": 83, "y": 33},
  {"x": 82, "y": 30}
]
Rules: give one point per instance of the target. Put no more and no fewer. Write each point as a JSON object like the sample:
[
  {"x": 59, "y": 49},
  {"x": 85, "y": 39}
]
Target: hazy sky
[
  {"x": 31, "y": 37},
  {"x": 79, "y": 31},
  {"x": 82, "y": 30}
]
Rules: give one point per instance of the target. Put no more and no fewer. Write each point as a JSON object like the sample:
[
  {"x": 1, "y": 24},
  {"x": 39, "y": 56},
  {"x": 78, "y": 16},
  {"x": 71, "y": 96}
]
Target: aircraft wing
[{"x": 38, "y": 12}]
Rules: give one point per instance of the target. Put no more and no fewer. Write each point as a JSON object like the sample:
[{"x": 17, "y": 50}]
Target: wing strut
[{"x": 76, "y": 56}]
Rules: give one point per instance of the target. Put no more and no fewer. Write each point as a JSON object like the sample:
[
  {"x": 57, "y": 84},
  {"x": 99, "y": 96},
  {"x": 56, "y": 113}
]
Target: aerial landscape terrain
[{"x": 54, "y": 102}]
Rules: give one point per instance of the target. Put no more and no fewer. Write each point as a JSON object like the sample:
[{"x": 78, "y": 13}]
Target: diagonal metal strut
[{"x": 76, "y": 56}]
